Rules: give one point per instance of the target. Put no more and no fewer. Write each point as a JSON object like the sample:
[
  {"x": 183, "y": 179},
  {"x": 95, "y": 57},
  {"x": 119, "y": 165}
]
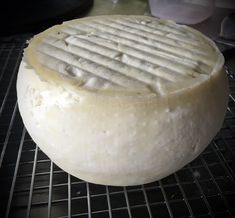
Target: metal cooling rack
[{"x": 32, "y": 186}]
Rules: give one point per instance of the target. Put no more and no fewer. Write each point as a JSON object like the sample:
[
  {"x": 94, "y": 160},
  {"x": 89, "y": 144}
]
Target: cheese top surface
[{"x": 124, "y": 53}]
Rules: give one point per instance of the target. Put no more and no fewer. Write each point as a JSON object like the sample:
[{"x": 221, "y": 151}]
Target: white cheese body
[{"x": 116, "y": 130}]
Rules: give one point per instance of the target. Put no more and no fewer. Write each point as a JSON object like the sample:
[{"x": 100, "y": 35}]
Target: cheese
[{"x": 122, "y": 100}]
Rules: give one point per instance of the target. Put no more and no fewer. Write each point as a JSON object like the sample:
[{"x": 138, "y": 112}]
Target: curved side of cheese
[{"x": 121, "y": 140}]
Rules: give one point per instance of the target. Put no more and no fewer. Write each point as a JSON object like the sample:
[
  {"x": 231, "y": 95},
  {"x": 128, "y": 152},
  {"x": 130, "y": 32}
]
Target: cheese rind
[
  {"x": 124, "y": 53},
  {"x": 115, "y": 109}
]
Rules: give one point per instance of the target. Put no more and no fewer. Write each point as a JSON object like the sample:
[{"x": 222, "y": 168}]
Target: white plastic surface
[{"x": 182, "y": 11}]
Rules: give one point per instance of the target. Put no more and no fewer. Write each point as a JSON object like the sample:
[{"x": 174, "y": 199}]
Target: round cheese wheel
[{"x": 122, "y": 100}]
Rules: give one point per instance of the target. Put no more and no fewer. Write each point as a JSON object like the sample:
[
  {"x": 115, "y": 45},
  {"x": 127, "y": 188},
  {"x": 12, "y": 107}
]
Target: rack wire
[{"x": 33, "y": 186}]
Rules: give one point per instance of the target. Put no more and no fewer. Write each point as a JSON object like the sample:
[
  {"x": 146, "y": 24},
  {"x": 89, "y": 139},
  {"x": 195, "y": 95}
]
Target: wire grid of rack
[{"x": 32, "y": 186}]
